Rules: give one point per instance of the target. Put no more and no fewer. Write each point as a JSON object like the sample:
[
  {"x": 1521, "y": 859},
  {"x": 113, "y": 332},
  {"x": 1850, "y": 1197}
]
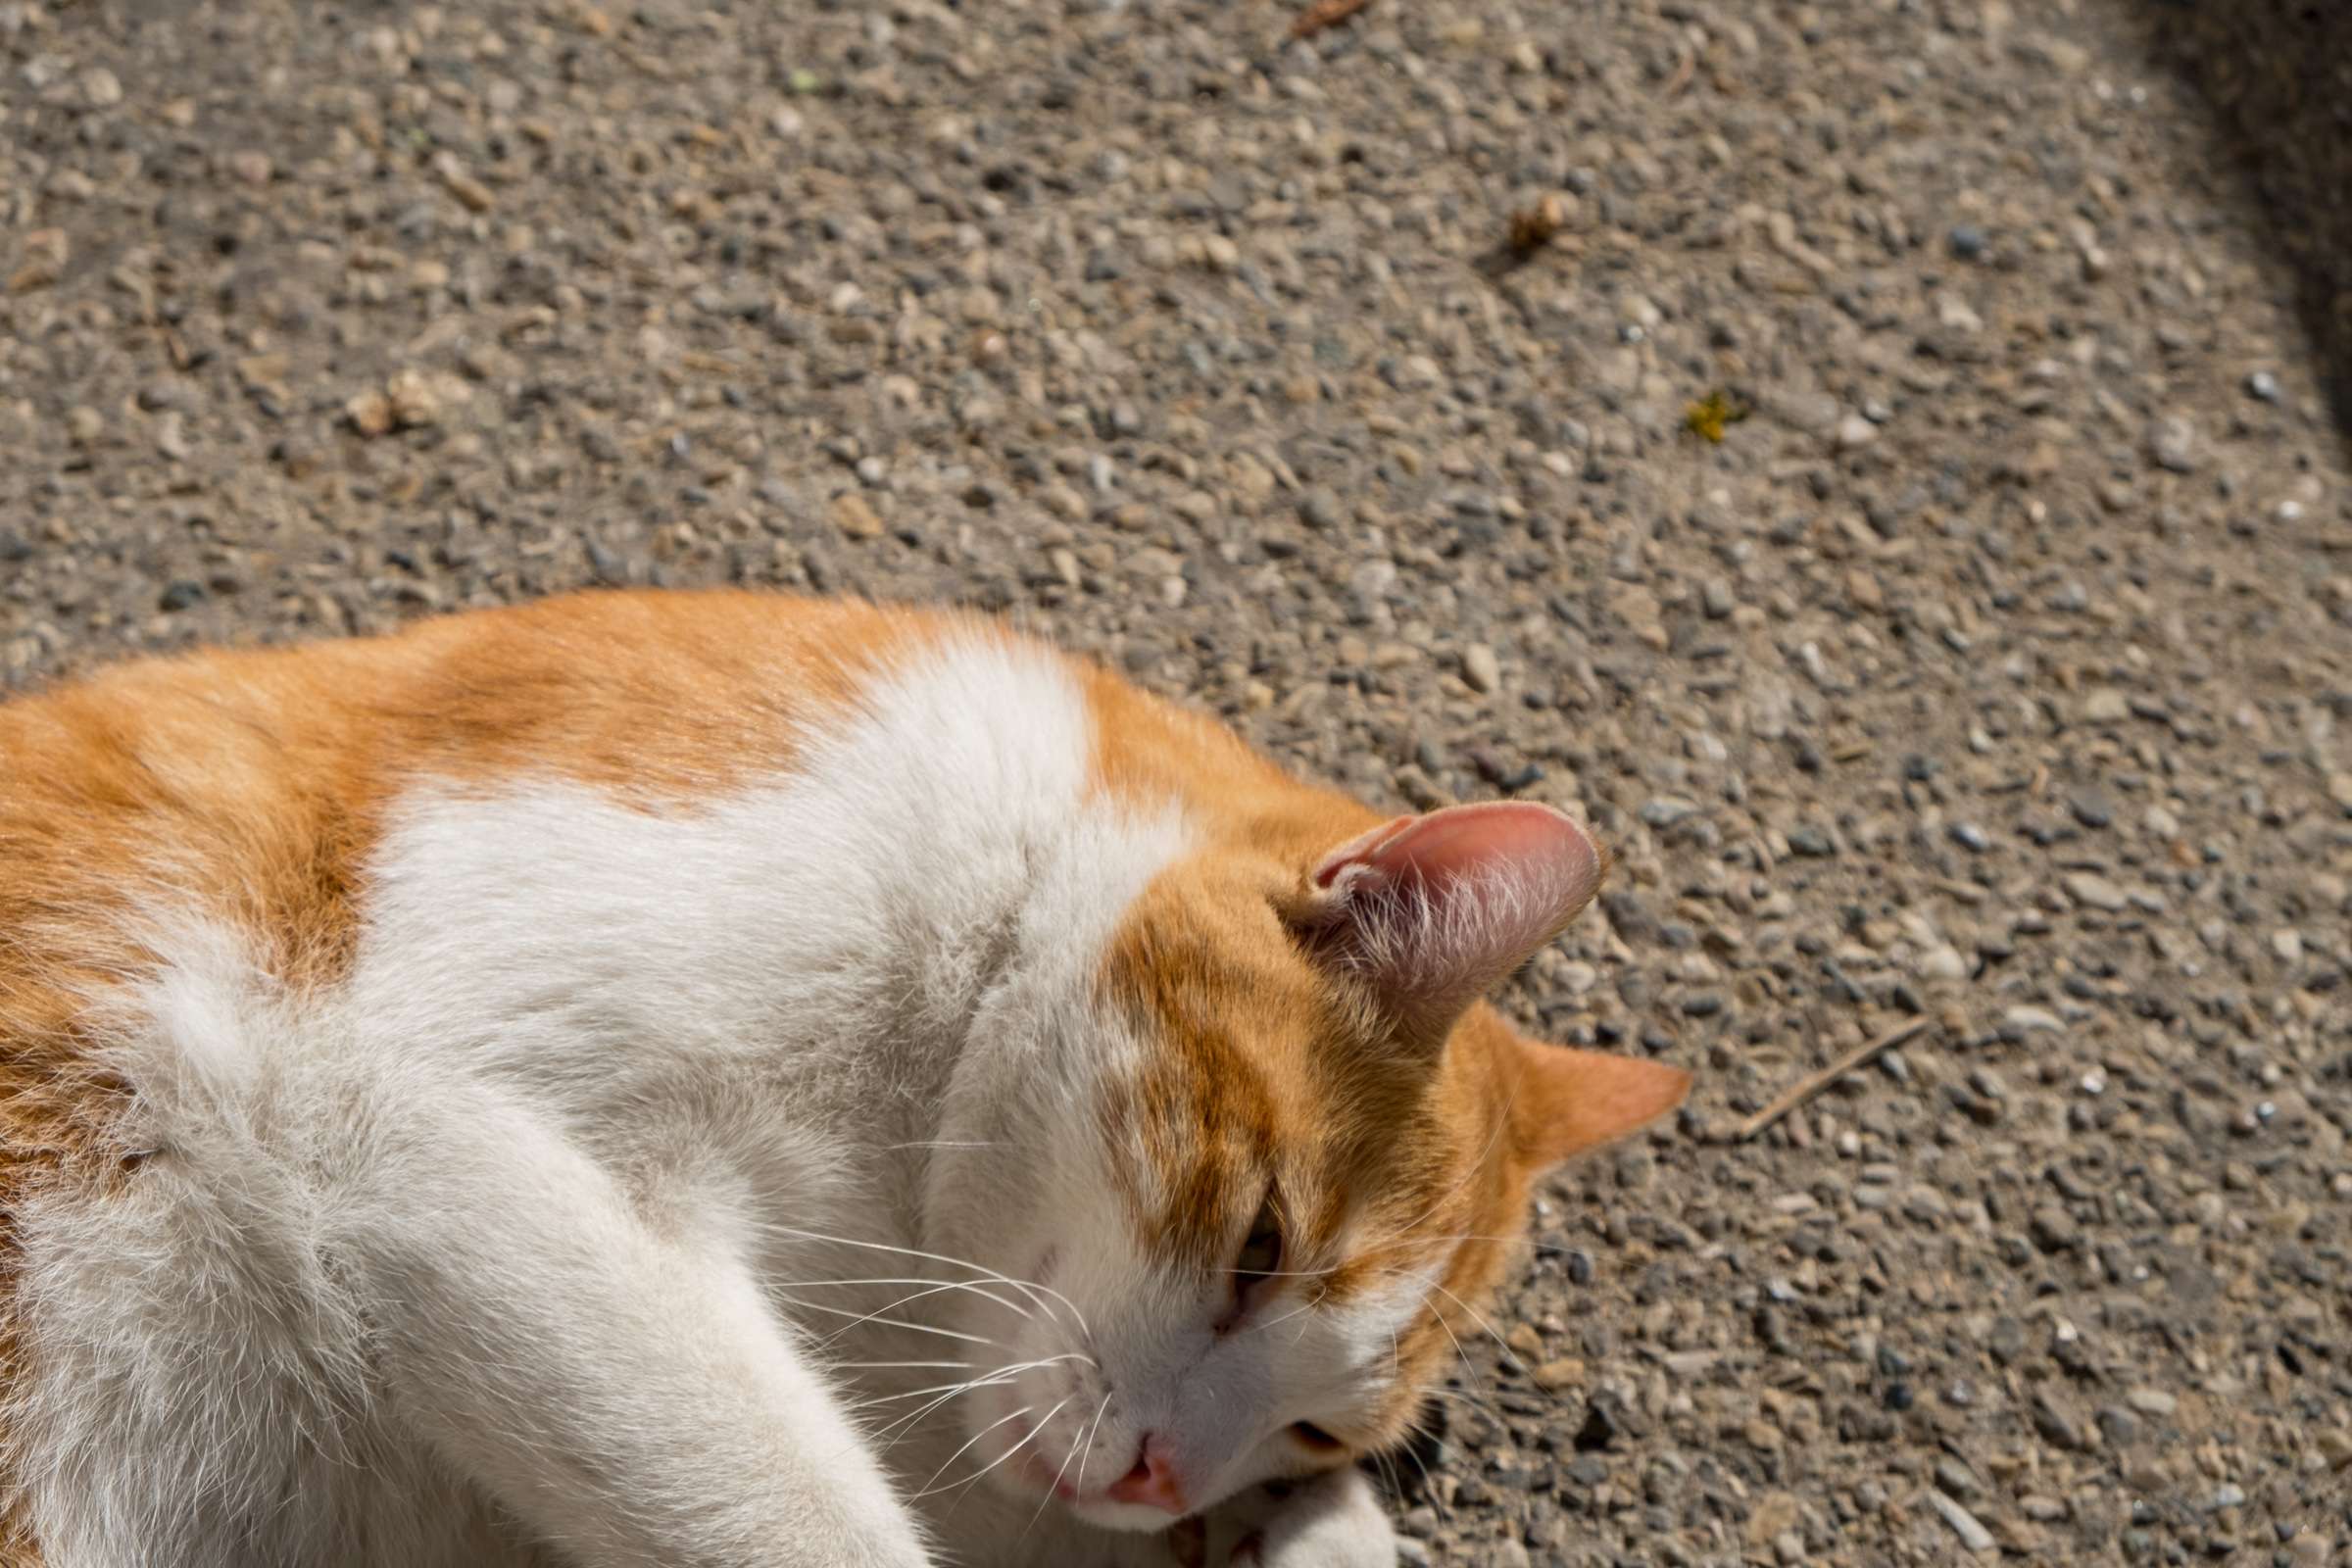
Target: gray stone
[
  {"x": 2055, "y": 1422},
  {"x": 2173, "y": 445},
  {"x": 1854, "y": 432},
  {"x": 2095, "y": 891},
  {"x": 1973, "y": 1534}
]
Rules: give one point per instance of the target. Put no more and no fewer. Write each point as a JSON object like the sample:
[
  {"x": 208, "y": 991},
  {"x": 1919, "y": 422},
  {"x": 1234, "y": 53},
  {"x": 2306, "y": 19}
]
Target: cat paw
[{"x": 1336, "y": 1521}]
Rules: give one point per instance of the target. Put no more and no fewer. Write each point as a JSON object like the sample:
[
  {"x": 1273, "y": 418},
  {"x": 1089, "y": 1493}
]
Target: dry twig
[{"x": 1812, "y": 1084}]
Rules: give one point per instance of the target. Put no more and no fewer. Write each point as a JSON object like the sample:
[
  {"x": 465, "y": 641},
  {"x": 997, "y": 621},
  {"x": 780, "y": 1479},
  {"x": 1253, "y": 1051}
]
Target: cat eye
[{"x": 1261, "y": 1251}]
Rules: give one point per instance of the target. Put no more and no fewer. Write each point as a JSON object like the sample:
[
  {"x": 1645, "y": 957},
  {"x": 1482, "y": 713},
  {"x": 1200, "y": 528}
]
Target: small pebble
[
  {"x": 1854, "y": 432},
  {"x": 2172, "y": 443},
  {"x": 1973, "y": 1534}
]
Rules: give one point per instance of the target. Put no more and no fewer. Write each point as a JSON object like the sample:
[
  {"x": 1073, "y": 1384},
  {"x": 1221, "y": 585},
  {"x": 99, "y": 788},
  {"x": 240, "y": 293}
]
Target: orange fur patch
[{"x": 1274, "y": 1070}]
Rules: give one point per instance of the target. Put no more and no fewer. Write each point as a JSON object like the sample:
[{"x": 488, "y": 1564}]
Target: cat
[{"x": 726, "y": 1081}]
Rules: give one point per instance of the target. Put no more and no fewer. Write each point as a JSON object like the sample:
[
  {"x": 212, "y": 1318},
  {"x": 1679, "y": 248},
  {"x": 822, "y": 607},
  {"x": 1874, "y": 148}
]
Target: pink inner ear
[
  {"x": 1434, "y": 909},
  {"x": 1353, "y": 852},
  {"x": 1469, "y": 841}
]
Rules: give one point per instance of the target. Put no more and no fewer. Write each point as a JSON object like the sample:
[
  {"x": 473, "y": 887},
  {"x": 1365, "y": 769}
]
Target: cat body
[{"x": 722, "y": 1080}]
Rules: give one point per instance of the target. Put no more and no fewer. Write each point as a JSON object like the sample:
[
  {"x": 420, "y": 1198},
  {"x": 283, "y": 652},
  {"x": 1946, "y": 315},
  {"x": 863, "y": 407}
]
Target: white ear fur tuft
[{"x": 1432, "y": 910}]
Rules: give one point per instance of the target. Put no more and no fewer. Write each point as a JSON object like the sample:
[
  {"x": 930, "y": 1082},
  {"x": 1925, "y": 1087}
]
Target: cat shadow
[{"x": 2274, "y": 78}]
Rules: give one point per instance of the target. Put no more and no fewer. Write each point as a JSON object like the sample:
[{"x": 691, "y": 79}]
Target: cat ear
[
  {"x": 1430, "y": 911},
  {"x": 1573, "y": 1100}
]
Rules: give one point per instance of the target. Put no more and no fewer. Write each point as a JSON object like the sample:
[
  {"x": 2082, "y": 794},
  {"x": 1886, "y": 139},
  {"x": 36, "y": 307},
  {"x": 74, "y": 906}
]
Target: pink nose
[{"x": 1153, "y": 1482}]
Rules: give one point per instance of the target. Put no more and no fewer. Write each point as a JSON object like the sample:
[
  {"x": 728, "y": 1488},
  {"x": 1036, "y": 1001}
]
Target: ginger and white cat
[{"x": 717, "y": 1081}]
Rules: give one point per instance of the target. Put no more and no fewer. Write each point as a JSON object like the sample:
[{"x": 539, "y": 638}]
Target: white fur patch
[{"x": 606, "y": 1076}]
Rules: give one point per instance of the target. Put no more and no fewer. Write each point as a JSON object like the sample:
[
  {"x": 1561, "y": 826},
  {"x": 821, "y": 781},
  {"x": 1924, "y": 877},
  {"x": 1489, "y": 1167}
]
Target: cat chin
[{"x": 1127, "y": 1518}]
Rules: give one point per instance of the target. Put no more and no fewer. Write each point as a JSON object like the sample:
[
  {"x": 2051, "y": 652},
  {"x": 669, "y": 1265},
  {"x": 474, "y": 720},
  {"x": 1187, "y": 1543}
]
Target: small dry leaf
[
  {"x": 1708, "y": 418},
  {"x": 1325, "y": 14},
  {"x": 1532, "y": 227}
]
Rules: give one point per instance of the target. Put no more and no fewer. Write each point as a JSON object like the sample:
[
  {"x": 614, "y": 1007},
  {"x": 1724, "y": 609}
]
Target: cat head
[{"x": 1286, "y": 1152}]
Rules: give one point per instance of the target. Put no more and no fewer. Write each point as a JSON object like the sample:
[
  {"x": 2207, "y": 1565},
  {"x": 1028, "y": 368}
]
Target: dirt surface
[{"x": 1994, "y": 666}]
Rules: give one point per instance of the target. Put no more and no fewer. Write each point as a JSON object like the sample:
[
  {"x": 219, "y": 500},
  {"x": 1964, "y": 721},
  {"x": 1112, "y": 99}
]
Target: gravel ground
[{"x": 1995, "y": 667}]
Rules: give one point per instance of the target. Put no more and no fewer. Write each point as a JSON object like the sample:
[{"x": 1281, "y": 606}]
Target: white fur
[{"x": 533, "y": 1242}]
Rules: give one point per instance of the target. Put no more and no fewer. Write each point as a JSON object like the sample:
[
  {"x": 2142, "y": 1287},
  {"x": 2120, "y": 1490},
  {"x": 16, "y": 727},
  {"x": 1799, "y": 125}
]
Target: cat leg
[
  {"x": 1333, "y": 1521},
  {"x": 630, "y": 1398}
]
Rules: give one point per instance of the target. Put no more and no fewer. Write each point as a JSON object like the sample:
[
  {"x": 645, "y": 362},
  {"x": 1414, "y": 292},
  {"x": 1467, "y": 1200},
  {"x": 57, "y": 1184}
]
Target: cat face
[{"x": 1300, "y": 1156}]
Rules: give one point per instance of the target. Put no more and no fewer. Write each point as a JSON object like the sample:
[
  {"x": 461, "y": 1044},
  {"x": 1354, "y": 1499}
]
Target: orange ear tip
[{"x": 1662, "y": 1094}]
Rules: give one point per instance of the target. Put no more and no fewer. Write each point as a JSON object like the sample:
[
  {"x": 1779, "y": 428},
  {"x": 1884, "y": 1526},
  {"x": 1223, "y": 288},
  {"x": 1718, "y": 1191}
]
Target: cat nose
[{"x": 1153, "y": 1482}]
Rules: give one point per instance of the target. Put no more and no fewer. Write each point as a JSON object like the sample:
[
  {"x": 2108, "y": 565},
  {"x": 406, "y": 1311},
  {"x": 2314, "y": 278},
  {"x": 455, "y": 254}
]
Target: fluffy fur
[{"x": 717, "y": 1080}]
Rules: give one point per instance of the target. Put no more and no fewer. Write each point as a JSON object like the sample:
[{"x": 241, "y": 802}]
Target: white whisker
[
  {"x": 1025, "y": 1286},
  {"x": 1428, "y": 1483},
  {"x": 876, "y": 1314},
  {"x": 944, "y": 1285},
  {"x": 998, "y": 1378},
  {"x": 1472, "y": 1400},
  {"x": 905, "y": 1422},
  {"x": 1440, "y": 1319},
  {"x": 967, "y": 1448},
  {"x": 1091, "y": 1433},
  {"x": 889, "y": 1323},
  {"x": 987, "y": 1380},
  {"x": 1478, "y": 1318},
  {"x": 1041, "y": 1426},
  {"x": 1305, "y": 1306},
  {"x": 949, "y": 1389},
  {"x": 1055, "y": 1489}
]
